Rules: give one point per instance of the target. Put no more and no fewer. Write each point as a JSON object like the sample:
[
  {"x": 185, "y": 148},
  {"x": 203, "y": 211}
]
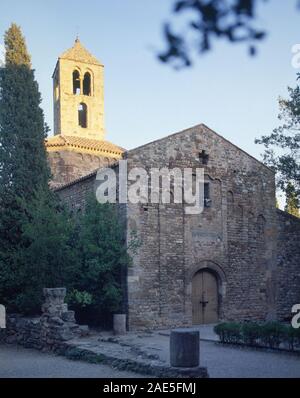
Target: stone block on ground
[
  {"x": 119, "y": 324},
  {"x": 184, "y": 348}
]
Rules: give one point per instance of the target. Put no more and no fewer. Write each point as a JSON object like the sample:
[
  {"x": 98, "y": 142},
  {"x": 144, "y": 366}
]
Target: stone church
[{"x": 237, "y": 260}]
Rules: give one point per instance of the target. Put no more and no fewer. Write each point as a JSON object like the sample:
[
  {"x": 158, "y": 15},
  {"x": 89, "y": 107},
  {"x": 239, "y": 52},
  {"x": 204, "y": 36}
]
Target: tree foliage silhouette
[
  {"x": 282, "y": 151},
  {"x": 208, "y": 21}
]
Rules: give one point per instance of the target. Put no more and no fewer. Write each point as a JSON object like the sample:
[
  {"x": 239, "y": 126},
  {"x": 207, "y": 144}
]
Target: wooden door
[{"x": 204, "y": 298}]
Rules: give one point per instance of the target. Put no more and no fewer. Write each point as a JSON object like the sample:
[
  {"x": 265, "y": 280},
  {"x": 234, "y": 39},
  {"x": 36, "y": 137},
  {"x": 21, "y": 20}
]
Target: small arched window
[
  {"x": 76, "y": 82},
  {"x": 87, "y": 84},
  {"x": 82, "y": 115}
]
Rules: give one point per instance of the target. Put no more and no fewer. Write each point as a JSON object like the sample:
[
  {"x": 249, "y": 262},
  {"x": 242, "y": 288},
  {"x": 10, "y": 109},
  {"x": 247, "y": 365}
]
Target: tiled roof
[
  {"x": 86, "y": 144},
  {"x": 79, "y": 53}
]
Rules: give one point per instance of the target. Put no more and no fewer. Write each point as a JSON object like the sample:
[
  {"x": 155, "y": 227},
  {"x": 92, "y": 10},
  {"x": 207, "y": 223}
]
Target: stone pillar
[
  {"x": 184, "y": 348},
  {"x": 57, "y": 322},
  {"x": 54, "y": 301},
  {"x": 119, "y": 321}
]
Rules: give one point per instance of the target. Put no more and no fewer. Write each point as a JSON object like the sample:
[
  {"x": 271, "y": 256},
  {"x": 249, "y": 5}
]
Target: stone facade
[
  {"x": 234, "y": 238},
  {"x": 240, "y": 237}
]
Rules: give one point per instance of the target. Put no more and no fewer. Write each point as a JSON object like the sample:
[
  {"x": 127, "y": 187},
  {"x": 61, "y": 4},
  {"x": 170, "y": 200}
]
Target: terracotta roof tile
[{"x": 99, "y": 146}]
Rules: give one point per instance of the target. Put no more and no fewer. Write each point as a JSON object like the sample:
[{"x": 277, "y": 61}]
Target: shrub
[
  {"x": 251, "y": 332},
  {"x": 268, "y": 334},
  {"x": 292, "y": 337},
  {"x": 228, "y": 332},
  {"x": 77, "y": 298},
  {"x": 272, "y": 334},
  {"x": 220, "y": 331}
]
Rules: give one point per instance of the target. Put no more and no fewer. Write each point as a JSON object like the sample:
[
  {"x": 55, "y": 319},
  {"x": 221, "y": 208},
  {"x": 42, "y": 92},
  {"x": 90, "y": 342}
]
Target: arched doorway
[{"x": 205, "y": 300}]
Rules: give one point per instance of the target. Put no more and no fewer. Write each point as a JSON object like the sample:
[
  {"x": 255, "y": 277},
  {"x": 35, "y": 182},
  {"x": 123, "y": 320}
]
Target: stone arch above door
[
  {"x": 206, "y": 289},
  {"x": 209, "y": 265}
]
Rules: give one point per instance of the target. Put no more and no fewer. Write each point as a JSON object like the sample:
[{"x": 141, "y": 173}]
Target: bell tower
[
  {"x": 78, "y": 147},
  {"x": 78, "y": 94}
]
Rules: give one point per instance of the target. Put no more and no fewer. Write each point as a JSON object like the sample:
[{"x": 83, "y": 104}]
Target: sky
[{"x": 234, "y": 94}]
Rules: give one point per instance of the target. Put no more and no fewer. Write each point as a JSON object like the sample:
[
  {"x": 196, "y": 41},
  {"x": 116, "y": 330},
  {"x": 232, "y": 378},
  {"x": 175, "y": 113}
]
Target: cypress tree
[
  {"x": 24, "y": 170},
  {"x": 23, "y": 161},
  {"x": 15, "y": 47}
]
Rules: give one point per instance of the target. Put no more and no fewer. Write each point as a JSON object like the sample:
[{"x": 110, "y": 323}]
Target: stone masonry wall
[
  {"x": 74, "y": 194},
  {"x": 67, "y": 166},
  {"x": 66, "y": 103},
  {"x": 55, "y": 326},
  {"x": 235, "y": 238},
  {"x": 288, "y": 264}
]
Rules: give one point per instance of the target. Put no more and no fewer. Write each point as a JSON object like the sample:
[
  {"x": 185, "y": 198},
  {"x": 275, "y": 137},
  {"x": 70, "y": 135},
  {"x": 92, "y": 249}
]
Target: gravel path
[
  {"x": 221, "y": 361},
  {"x": 228, "y": 361},
  {"x": 242, "y": 362},
  {"x": 22, "y": 362}
]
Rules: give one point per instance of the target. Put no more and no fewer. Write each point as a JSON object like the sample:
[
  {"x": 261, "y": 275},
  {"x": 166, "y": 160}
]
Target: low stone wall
[
  {"x": 55, "y": 326},
  {"x": 147, "y": 368}
]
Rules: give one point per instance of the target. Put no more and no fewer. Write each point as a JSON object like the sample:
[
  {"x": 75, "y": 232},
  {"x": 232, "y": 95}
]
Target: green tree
[
  {"x": 292, "y": 201},
  {"x": 15, "y": 47},
  {"x": 23, "y": 162},
  {"x": 207, "y": 21},
  {"x": 48, "y": 257},
  {"x": 24, "y": 169},
  {"x": 98, "y": 289},
  {"x": 282, "y": 151}
]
